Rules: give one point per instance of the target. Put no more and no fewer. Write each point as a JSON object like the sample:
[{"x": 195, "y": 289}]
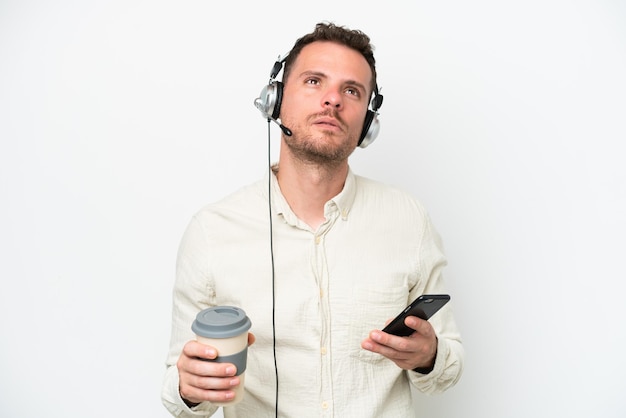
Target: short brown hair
[{"x": 354, "y": 39}]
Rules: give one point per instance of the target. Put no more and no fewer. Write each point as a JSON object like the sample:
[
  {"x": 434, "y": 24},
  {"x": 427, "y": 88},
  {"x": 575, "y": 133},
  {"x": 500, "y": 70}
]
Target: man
[{"x": 344, "y": 255}]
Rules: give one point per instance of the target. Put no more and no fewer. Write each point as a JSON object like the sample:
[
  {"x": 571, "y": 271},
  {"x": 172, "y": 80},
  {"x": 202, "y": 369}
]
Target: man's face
[{"x": 324, "y": 102}]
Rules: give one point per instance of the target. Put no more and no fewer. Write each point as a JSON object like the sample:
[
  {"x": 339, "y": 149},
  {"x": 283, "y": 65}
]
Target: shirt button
[
  {"x": 324, "y": 405},
  {"x": 321, "y": 293},
  {"x": 323, "y": 351},
  {"x": 318, "y": 239}
]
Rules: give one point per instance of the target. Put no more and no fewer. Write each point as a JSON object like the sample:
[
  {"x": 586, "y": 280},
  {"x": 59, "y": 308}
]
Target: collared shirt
[{"x": 375, "y": 252}]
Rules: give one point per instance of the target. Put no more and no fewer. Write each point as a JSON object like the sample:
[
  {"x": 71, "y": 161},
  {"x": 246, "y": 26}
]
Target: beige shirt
[{"x": 376, "y": 252}]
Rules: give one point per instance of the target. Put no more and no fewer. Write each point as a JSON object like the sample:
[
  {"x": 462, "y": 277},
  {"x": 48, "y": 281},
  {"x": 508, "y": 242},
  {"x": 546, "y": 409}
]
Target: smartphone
[{"x": 423, "y": 307}]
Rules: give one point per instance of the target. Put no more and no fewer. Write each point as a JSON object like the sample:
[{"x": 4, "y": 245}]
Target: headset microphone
[
  {"x": 283, "y": 128},
  {"x": 259, "y": 103}
]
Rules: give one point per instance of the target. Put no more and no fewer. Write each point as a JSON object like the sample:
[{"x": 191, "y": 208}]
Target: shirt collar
[
  {"x": 342, "y": 202},
  {"x": 345, "y": 199}
]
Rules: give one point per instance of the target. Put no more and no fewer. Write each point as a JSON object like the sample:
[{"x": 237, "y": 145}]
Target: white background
[{"x": 119, "y": 119}]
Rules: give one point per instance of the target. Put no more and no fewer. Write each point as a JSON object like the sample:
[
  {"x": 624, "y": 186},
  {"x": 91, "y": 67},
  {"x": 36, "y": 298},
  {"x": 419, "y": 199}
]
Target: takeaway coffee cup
[{"x": 226, "y": 329}]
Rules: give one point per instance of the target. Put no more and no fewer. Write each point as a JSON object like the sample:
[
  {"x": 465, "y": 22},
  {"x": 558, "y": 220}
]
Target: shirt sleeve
[
  {"x": 450, "y": 353},
  {"x": 172, "y": 400},
  {"x": 447, "y": 370},
  {"x": 192, "y": 293}
]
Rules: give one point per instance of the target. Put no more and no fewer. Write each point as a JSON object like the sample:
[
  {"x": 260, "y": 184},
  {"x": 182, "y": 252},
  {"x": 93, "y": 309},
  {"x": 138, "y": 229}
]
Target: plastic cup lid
[{"x": 221, "y": 322}]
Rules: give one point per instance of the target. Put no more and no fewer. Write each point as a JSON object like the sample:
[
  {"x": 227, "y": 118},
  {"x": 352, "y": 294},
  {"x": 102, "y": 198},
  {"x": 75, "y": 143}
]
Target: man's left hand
[{"x": 415, "y": 351}]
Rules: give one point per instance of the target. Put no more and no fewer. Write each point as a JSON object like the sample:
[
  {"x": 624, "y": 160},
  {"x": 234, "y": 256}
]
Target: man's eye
[
  {"x": 312, "y": 81},
  {"x": 352, "y": 91}
]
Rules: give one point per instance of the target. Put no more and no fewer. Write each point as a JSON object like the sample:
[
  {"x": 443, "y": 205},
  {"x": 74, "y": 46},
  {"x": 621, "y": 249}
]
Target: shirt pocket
[{"x": 376, "y": 306}]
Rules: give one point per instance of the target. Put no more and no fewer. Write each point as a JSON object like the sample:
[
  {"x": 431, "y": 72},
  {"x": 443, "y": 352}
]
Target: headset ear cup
[
  {"x": 265, "y": 101},
  {"x": 366, "y": 126},
  {"x": 371, "y": 126},
  {"x": 278, "y": 100},
  {"x": 270, "y": 99}
]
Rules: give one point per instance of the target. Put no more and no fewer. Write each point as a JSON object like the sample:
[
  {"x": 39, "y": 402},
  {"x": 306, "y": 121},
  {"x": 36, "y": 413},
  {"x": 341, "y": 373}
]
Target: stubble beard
[{"x": 320, "y": 149}]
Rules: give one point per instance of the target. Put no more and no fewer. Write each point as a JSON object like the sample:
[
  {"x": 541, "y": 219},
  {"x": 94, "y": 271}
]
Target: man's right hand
[{"x": 201, "y": 380}]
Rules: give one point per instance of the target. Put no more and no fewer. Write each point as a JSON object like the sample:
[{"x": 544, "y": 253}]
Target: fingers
[
  {"x": 422, "y": 326},
  {"x": 388, "y": 345},
  {"x": 201, "y": 380},
  {"x": 197, "y": 350},
  {"x": 407, "y": 352},
  {"x": 198, "y": 389}
]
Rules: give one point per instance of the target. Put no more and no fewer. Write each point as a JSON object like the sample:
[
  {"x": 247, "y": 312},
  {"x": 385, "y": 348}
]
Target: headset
[{"x": 270, "y": 100}]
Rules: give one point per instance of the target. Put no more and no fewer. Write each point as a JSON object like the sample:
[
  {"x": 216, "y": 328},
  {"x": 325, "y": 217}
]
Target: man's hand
[
  {"x": 201, "y": 380},
  {"x": 415, "y": 351}
]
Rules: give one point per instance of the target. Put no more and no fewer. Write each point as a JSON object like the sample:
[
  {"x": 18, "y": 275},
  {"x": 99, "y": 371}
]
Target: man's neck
[{"x": 307, "y": 187}]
